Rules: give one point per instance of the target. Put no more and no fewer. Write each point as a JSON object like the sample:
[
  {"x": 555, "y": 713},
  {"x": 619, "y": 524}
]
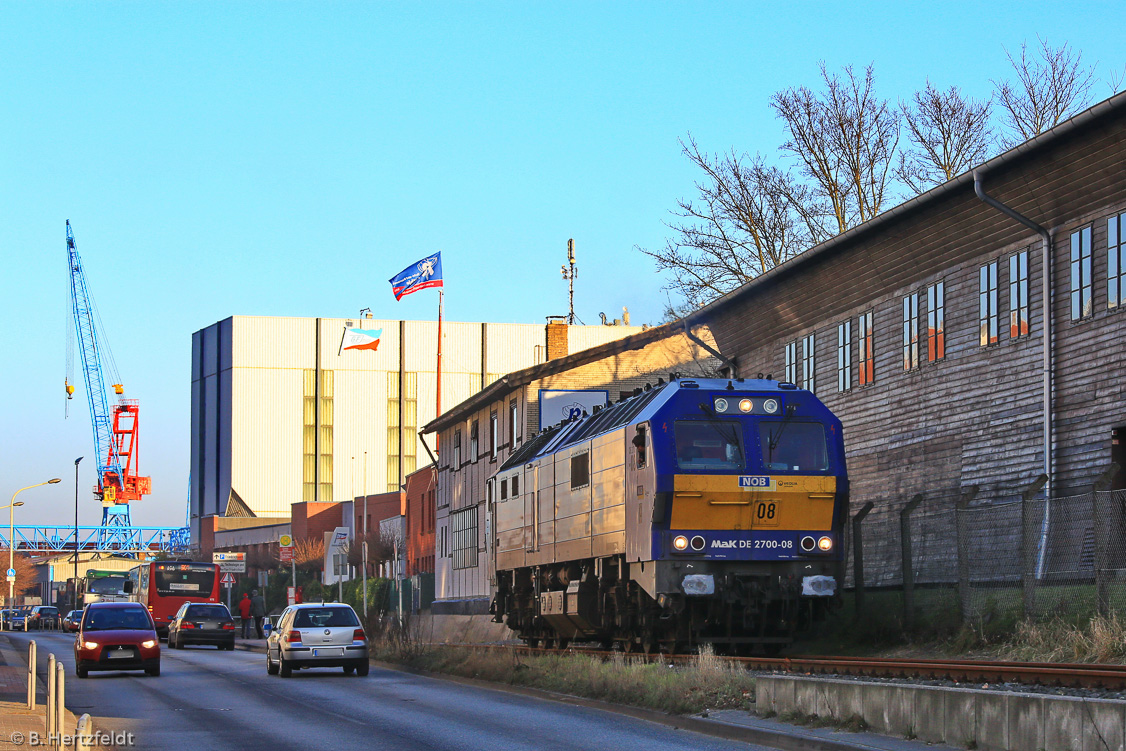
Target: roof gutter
[{"x": 1049, "y": 346}]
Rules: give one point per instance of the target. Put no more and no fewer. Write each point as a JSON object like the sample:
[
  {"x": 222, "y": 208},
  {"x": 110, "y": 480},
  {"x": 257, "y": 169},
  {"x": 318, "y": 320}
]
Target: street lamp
[
  {"x": 12, "y": 536},
  {"x": 74, "y": 605}
]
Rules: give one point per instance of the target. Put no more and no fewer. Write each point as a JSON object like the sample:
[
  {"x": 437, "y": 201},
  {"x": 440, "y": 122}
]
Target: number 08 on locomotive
[{"x": 697, "y": 511}]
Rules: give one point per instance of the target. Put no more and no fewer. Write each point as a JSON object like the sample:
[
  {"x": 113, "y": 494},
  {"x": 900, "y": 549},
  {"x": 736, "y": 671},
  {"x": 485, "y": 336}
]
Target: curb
[{"x": 777, "y": 739}]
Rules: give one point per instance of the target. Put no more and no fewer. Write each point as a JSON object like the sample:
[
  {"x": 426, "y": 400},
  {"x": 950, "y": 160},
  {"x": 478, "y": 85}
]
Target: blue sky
[{"x": 286, "y": 159}]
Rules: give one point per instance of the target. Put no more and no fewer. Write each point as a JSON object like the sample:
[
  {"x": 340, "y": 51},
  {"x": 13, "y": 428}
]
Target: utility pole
[
  {"x": 364, "y": 547},
  {"x": 74, "y": 606},
  {"x": 570, "y": 273}
]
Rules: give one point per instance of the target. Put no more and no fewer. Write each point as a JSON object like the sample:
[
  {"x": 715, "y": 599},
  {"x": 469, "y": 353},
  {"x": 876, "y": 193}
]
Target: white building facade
[{"x": 281, "y": 413}]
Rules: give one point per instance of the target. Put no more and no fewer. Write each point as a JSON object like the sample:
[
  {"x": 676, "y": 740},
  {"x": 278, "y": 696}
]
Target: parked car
[
  {"x": 202, "y": 623},
  {"x": 43, "y": 617},
  {"x": 15, "y": 619},
  {"x": 72, "y": 620},
  {"x": 116, "y": 636},
  {"x": 317, "y": 635}
]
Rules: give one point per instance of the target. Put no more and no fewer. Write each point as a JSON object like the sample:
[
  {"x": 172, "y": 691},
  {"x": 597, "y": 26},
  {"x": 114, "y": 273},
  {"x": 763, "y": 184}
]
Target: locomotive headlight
[
  {"x": 808, "y": 544},
  {"x": 697, "y": 543},
  {"x": 720, "y": 405},
  {"x": 746, "y": 405},
  {"x": 680, "y": 542},
  {"x": 825, "y": 544},
  {"x": 770, "y": 406}
]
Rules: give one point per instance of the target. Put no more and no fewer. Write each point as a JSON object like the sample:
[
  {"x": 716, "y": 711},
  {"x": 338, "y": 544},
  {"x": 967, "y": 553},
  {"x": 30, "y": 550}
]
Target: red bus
[{"x": 163, "y": 586}]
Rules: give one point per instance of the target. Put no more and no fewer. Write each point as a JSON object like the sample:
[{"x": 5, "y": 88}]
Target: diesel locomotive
[{"x": 696, "y": 511}]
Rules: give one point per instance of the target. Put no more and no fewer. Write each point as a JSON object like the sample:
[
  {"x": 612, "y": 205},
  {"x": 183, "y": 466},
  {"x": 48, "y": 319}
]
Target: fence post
[
  {"x": 963, "y": 541},
  {"x": 1105, "y": 521},
  {"x": 31, "y": 658},
  {"x": 908, "y": 569},
  {"x": 858, "y": 556},
  {"x": 51, "y": 675},
  {"x": 1032, "y": 550}
]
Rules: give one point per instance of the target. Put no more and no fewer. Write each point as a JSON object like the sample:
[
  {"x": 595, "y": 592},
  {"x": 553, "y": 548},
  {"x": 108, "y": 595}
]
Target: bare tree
[
  {"x": 949, "y": 132},
  {"x": 380, "y": 548},
  {"x": 309, "y": 554},
  {"x": 747, "y": 218},
  {"x": 1052, "y": 84},
  {"x": 27, "y": 579},
  {"x": 845, "y": 138}
]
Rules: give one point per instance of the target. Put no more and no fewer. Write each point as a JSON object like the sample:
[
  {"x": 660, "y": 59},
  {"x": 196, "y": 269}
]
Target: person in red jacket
[{"x": 244, "y": 614}]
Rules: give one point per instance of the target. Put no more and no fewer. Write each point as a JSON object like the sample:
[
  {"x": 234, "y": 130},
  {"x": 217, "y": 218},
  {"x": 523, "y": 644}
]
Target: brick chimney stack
[{"x": 556, "y": 339}]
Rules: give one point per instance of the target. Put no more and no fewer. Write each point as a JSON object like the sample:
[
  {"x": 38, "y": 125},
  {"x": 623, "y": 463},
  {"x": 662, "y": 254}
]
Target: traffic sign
[
  {"x": 232, "y": 567},
  {"x": 11, "y": 572},
  {"x": 285, "y": 541},
  {"x": 228, "y": 579},
  {"x": 285, "y": 555},
  {"x": 223, "y": 557}
]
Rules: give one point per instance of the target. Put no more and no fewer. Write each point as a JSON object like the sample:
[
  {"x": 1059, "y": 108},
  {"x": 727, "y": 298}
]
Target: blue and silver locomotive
[{"x": 697, "y": 511}]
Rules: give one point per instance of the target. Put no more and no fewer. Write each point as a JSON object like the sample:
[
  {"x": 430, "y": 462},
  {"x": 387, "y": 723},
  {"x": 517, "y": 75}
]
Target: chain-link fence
[{"x": 986, "y": 563}]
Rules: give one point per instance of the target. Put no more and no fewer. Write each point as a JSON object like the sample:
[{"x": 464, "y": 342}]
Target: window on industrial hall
[
  {"x": 473, "y": 429},
  {"x": 457, "y": 449},
  {"x": 1018, "y": 295},
  {"x": 515, "y": 485},
  {"x": 463, "y": 528},
  {"x": 493, "y": 438},
  {"x": 911, "y": 331},
  {"x": 1116, "y": 261},
  {"x": 325, "y": 449},
  {"x": 844, "y": 355},
  {"x": 580, "y": 470},
  {"x": 401, "y": 436},
  {"x": 792, "y": 362},
  {"x": 808, "y": 363},
  {"x": 512, "y": 425},
  {"x": 988, "y": 318},
  {"x": 309, "y": 437},
  {"x": 1082, "y": 304},
  {"x": 936, "y": 321},
  {"x": 866, "y": 373}
]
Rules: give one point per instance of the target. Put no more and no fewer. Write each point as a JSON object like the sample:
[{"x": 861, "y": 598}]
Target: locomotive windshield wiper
[
  {"x": 720, "y": 426},
  {"x": 776, "y": 437}
]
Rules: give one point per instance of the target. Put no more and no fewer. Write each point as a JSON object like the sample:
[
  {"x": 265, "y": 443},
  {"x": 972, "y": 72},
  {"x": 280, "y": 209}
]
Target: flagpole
[{"x": 438, "y": 405}]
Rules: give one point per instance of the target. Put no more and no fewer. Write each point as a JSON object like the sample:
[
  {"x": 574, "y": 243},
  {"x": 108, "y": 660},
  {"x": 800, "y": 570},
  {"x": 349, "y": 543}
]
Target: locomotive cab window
[
  {"x": 713, "y": 444},
  {"x": 793, "y": 446}
]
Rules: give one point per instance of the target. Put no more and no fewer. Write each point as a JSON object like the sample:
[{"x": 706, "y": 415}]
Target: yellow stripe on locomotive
[{"x": 717, "y": 502}]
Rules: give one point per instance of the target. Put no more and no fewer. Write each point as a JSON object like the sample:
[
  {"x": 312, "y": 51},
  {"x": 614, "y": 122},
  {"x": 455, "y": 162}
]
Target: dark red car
[{"x": 116, "y": 636}]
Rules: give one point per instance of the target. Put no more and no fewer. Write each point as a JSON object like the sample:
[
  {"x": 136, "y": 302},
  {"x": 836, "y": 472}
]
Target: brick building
[{"x": 421, "y": 513}]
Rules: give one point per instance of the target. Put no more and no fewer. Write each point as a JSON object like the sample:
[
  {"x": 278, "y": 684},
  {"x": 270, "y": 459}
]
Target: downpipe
[{"x": 1046, "y": 314}]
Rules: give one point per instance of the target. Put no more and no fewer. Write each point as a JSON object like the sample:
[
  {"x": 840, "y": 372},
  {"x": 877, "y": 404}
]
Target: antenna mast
[{"x": 570, "y": 273}]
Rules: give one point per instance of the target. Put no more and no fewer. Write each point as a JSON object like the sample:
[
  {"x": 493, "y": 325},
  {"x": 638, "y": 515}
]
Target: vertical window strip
[
  {"x": 867, "y": 371},
  {"x": 809, "y": 363},
  {"x": 512, "y": 425},
  {"x": 988, "y": 317},
  {"x": 911, "y": 331},
  {"x": 1115, "y": 261},
  {"x": 936, "y": 321},
  {"x": 309, "y": 436},
  {"x": 844, "y": 355},
  {"x": 1018, "y": 295},
  {"x": 792, "y": 362},
  {"x": 1081, "y": 283}
]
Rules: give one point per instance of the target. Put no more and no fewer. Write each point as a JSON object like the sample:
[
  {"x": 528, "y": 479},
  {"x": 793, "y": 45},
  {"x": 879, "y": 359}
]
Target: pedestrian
[
  {"x": 244, "y": 606},
  {"x": 258, "y": 610}
]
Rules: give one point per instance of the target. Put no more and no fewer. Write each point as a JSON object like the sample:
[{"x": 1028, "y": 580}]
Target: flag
[
  {"x": 425, "y": 273},
  {"x": 360, "y": 339}
]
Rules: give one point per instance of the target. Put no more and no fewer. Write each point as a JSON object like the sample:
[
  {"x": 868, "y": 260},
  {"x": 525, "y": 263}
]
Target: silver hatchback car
[{"x": 317, "y": 635}]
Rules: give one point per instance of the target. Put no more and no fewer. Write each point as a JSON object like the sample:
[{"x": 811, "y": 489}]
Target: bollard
[
  {"x": 31, "y": 658},
  {"x": 83, "y": 733},
  {"x": 60, "y": 701},
  {"x": 51, "y": 675}
]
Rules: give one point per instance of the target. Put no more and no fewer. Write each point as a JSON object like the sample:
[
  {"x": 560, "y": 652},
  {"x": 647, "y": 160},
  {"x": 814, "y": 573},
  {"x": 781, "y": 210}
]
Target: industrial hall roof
[
  {"x": 997, "y": 174},
  {"x": 509, "y": 383}
]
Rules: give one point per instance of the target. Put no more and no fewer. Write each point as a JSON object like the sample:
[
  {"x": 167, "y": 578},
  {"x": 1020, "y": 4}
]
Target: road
[{"x": 215, "y": 700}]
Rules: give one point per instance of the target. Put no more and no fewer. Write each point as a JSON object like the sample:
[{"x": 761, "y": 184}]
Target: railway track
[{"x": 1069, "y": 675}]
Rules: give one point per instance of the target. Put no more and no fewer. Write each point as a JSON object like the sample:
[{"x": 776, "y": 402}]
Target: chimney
[{"x": 556, "y": 339}]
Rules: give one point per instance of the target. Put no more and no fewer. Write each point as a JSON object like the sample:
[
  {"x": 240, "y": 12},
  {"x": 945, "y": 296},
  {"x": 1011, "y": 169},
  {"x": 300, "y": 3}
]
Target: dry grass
[
  {"x": 705, "y": 683},
  {"x": 1101, "y": 639}
]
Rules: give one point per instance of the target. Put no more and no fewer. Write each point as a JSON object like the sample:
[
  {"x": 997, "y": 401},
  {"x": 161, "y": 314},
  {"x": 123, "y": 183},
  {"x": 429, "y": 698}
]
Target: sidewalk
[{"x": 15, "y": 717}]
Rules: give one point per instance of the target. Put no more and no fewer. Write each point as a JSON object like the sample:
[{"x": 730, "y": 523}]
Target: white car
[{"x": 317, "y": 635}]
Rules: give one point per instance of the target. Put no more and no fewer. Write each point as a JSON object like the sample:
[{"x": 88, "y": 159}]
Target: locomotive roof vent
[
  {"x": 788, "y": 386},
  {"x": 689, "y": 385}
]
